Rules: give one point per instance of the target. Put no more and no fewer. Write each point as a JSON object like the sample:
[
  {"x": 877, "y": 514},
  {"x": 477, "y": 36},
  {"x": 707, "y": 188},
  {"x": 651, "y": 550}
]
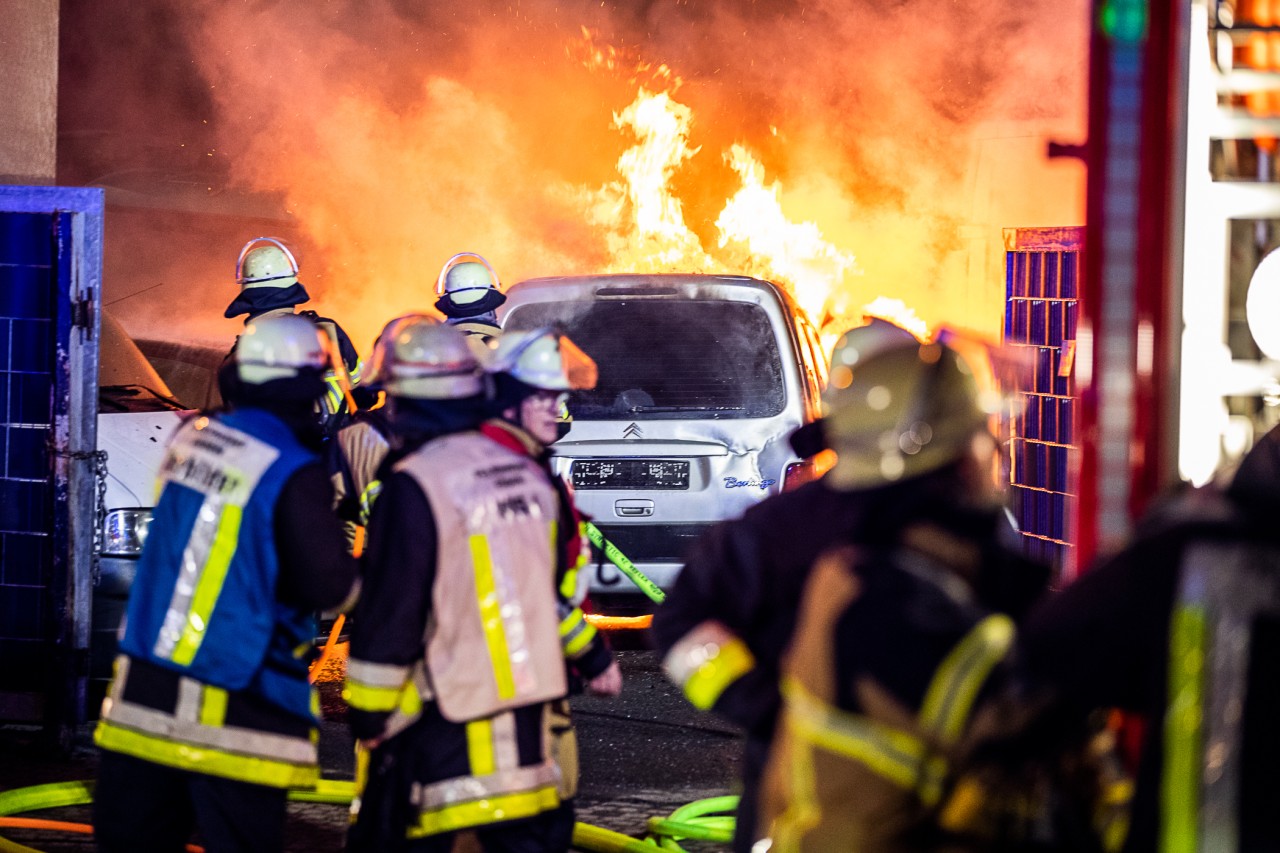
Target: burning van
[{"x": 702, "y": 378}]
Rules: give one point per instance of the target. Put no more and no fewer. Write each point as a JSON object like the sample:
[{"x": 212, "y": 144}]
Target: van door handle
[{"x": 633, "y": 508}]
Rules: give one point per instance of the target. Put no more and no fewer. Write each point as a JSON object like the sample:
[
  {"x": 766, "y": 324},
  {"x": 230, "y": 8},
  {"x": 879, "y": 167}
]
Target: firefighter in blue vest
[
  {"x": 267, "y": 273},
  {"x": 210, "y": 717},
  {"x": 456, "y": 651},
  {"x": 470, "y": 294}
]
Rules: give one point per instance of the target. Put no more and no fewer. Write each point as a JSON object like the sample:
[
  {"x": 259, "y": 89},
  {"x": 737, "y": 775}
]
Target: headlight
[{"x": 125, "y": 531}]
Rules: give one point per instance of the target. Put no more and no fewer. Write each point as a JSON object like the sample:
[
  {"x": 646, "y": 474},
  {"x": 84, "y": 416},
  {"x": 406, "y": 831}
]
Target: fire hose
[
  {"x": 702, "y": 820},
  {"x": 619, "y": 559}
]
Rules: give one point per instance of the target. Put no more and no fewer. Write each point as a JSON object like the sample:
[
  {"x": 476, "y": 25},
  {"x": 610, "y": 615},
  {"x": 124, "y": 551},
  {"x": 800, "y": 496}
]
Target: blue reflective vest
[{"x": 204, "y": 599}]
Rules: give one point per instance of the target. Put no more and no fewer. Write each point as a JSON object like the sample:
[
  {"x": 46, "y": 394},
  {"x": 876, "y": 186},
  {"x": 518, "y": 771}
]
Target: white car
[{"x": 702, "y": 379}]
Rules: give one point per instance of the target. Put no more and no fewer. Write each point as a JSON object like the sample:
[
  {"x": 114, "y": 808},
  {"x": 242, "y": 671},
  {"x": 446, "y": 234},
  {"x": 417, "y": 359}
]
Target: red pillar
[{"x": 1126, "y": 359}]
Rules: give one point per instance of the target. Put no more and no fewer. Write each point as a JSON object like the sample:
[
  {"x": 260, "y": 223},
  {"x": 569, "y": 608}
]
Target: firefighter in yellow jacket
[
  {"x": 456, "y": 651},
  {"x": 898, "y": 643}
]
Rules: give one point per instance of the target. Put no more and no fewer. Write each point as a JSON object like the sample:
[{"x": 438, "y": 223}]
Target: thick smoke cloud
[{"x": 383, "y": 136}]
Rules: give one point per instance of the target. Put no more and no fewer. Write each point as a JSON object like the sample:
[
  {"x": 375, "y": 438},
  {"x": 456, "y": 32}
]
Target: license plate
[{"x": 630, "y": 474}]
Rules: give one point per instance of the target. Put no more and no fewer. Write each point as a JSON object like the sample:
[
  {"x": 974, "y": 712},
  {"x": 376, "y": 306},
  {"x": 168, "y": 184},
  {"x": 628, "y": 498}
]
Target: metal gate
[{"x": 50, "y": 271}]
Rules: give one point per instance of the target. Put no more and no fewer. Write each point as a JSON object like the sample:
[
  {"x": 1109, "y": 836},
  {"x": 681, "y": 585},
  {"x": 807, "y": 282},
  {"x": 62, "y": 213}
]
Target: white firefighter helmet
[
  {"x": 544, "y": 359},
  {"x": 426, "y": 360},
  {"x": 278, "y": 346},
  {"x": 467, "y": 278},
  {"x": 266, "y": 262},
  {"x": 382, "y": 346},
  {"x": 900, "y": 412}
]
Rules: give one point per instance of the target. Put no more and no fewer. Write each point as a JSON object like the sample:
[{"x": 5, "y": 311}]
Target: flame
[
  {"x": 788, "y": 251},
  {"x": 658, "y": 239},
  {"x": 647, "y": 232},
  {"x": 431, "y": 128}
]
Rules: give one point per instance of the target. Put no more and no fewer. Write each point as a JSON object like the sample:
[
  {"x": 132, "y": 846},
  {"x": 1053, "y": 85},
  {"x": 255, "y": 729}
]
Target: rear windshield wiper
[{"x": 116, "y": 392}]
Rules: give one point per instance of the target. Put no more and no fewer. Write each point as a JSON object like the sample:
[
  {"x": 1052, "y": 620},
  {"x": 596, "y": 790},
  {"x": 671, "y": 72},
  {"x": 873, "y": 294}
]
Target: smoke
[{"x": 383, "y": 136}]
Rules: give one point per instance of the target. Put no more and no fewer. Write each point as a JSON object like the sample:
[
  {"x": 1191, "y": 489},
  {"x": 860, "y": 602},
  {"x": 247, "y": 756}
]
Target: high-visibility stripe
[
  {"x": 486, "y": 811},
  {"x": 1183, "y": 735},
  {"x": 576, "y": 633},
  {"x": 949, "y": 699},
  {"x": 209, "y": 585},
  {"x": 898, "y": 756},
  {"x": 184, "y": 726},
  {"x": 363, "y": 697},
  {"x": 803, "y": 810},
  {"x": 367, "y": 498},
  {"x": 204, "y": 759},
  {"x": 495, "y": 635},
  {"x": 373, "y": 674},
  {"x": 213, "y": 706},
  {"x": 480, "y": 747},
  {"x": 706, "y": 661},
  {"x": 569, "y": 584}
]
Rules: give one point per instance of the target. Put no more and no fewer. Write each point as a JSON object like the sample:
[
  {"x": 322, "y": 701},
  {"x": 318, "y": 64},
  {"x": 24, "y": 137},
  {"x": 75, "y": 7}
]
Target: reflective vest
[
  {"x": 493, "y": 645},
  {"x": 204, "y": 607},
  {"x": 1227, "y": 593},
  {"x": 493, "y": 639},
  {"x": 842, "y": 780}
]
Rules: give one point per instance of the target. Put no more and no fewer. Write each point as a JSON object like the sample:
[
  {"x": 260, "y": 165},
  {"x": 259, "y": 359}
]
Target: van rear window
[{"x": 662, "y": 359}]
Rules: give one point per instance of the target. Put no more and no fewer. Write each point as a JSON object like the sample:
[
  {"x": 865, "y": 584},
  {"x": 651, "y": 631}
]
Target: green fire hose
[
  {"x": 620, "y": 560},
  {"x": 702, "y": 820}
]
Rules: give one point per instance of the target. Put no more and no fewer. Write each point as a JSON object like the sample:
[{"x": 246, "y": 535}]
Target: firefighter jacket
[
  {"x": 455, "y": 652},
  {"x": 585, "y": 650},
  {"x": 891, "y": 652},
  {"x": 731, "y": 614},
  {"x": 1179, "y": 629},
  {"x": 355, "y": 457},
  {"x": 213, "y": 671}
]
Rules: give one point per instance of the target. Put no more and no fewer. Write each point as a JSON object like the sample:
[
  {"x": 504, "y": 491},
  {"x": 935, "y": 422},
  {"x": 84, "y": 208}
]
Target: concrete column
[{"x": 29, "y": 81}]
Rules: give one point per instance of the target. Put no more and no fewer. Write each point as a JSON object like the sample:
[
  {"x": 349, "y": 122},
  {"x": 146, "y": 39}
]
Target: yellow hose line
[
  {"x": 697, "y": 820},
  {"x": 601, "y": 840}
]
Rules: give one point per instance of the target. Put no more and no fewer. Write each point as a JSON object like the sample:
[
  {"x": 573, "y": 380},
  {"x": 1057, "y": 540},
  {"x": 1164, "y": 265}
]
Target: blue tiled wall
[{"x": 27, "y": 287}]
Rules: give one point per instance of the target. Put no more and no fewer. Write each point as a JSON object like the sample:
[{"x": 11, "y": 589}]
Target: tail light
[
  {"x": 807, "y": 470},
  {"x": 124, "y": 531}
]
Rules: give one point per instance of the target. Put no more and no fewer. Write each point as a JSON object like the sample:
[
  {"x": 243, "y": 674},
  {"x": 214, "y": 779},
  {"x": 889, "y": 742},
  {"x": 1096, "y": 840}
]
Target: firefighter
[
  {"x": 359, "y": 448},
  {"x": 897, "y": 642},
  {"x": 267, "y": 273},
  {"x": 455, "y": 653},
  {"x": 534, "y": 372},
  {"x": 733, "y": 610},
  {"x": 210, "y": 717},
  {"x": 470, "y": 294},
  {"x": 1179, "y": 629}
]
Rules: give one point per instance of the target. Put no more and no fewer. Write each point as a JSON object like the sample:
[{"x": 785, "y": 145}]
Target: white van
[{"x": 702, "y": 378}]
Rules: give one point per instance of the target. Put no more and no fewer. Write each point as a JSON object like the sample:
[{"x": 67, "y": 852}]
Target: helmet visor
[{"x": 579, "y": 368}]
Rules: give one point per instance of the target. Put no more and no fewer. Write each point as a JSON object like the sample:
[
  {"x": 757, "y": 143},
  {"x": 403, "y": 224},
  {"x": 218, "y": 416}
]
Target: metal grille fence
[{"x": 1042, "y": 273}]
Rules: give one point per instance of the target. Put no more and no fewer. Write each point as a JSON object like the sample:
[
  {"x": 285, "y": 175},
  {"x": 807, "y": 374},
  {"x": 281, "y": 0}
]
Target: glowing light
[{"x": 1262, "y": 305}]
